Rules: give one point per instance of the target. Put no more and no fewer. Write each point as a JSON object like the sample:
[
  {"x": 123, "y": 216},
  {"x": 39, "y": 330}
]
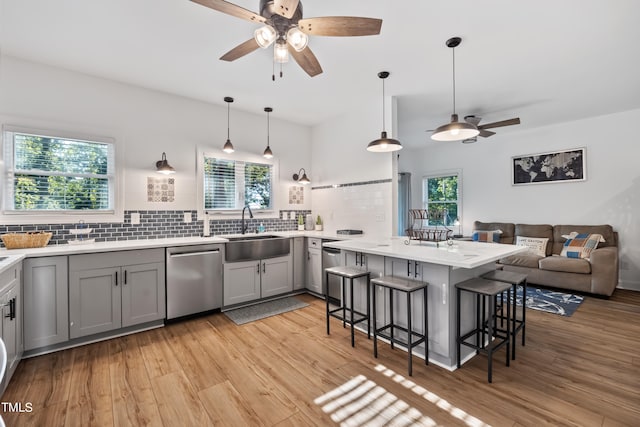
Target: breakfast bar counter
[{"x": 442, "y": 266}]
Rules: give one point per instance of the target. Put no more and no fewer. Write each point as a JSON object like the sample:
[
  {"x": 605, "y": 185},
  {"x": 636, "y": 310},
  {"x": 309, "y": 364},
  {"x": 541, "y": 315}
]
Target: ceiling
[{"x": 543, "y": 61}]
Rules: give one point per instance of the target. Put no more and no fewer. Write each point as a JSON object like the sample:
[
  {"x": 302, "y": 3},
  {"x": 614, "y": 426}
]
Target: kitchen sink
[
  {"x": 255, "y": 247},
  {"x": 252, "y": 237}
]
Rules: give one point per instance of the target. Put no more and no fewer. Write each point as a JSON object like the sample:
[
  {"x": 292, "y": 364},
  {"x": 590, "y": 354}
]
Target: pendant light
[
  {"x": 228, "y": 146},
  {"x": 267, "y": 151},
  {"x": 384, "y": 144},
  {"x": 455, "y": 130}
]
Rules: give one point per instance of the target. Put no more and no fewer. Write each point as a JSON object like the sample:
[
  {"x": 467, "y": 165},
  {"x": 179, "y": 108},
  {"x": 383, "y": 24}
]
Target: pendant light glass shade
[
  {"x": 455, "y": 130},
  {"x": 384, "y": 144},
  {"x": 280, "y": 52},
  {"x": 297, "y": 39},
  {"x": 228, "y": 146},
  {"x": 163, "y": 166},
  {"x": 264, "y": 36}
]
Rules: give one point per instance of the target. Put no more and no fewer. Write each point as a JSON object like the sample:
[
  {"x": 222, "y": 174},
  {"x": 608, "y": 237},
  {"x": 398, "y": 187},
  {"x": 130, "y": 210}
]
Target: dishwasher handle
[
  {"x": 331, "y": 251},
  {"x": 185, "y": 254}
]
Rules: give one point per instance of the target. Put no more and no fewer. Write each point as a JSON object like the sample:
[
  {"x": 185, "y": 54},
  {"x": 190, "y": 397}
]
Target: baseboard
[{"x": 629, "y": 285}]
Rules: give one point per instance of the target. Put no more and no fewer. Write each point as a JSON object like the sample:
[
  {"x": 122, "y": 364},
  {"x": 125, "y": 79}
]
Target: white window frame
[
  {"x": 444, "y": 174},
  {"x": 11, "y": 217},
  {"x": 201, "y": 153}
]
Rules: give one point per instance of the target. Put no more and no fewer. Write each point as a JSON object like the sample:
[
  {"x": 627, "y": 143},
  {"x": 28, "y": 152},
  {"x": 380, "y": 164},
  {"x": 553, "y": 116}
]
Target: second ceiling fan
[{"x": 285, "y": 27}]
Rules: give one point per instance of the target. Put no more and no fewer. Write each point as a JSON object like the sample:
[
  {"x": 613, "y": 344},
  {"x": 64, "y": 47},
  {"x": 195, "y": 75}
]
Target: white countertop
[
  {"x": 8, "y": 260},
  {"x": 462, "y": 254},
  {"x": 123, "y": 245}
]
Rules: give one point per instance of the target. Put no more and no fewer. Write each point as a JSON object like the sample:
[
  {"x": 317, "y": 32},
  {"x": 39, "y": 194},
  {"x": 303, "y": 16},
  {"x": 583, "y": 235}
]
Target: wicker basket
[{"x": 37, "y": 239}]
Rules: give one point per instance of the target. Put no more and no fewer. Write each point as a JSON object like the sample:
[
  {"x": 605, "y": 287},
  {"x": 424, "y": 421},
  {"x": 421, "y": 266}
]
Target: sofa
[{"x": 596, "y": 274}]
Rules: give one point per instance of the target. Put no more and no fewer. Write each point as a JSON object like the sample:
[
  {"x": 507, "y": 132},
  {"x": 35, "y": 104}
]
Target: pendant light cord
[
  {"x": 268, "y": 129},
  {"x": 383, "y": 115},
  {"x": 453, "y": 53},
  {"x": 228, "y": 112}
]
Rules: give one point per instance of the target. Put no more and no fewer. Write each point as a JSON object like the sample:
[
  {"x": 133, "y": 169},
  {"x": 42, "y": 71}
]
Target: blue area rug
[{"x": 550, "y": 301}]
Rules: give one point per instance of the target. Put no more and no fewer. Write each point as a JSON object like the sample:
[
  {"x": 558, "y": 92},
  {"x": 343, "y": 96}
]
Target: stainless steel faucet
[{"x": 245, "y": 226}]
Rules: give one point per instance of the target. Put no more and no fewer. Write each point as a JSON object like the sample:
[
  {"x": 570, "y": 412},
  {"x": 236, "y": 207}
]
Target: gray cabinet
[
  {"x": 11, "y": 324},
  {"x": 46, "y": 309},
  {"x": 299, "y": 261},
  {"x": 314, "y": 265},
  {"x": 111, "y": 290},
  {"x": 248, "y": 281}
]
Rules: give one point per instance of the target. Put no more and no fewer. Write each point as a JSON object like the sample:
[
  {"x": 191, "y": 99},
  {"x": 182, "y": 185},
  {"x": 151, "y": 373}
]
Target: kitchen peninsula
[{"x": 441, "y": 266}]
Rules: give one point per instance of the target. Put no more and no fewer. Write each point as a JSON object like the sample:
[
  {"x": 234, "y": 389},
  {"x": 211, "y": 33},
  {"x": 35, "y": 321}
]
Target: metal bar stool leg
[
  {"x": 409, "y": 332},
  {"x": 458, "y": 344},
  {"x": 326, "y": 297},
  {"x": 353, "y": 341},
  {"x": 375, "y": 323},
  {"x": 524, "y": 308},
  {"x": 369, "y": 307},
  {"x": 344, "y": 305},
  {"x": 391, "y": 315},
  {"x": 425, "y": 296},
  {"x": 490, "y": 333}
]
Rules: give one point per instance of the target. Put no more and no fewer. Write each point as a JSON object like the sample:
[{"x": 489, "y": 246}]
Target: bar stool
[
  {"x": 350, "y": 273},
  {"x": 514, "y": 279},
  {"x": 408, "y": 286},
  {"x": 487, "y": 290}
]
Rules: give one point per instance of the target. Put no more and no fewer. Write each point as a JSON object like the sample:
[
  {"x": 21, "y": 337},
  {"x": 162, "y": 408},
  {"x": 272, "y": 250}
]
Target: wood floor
[{"x": 285, "y": 371}]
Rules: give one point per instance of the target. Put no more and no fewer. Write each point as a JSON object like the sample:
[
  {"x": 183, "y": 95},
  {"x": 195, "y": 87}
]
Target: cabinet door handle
[
  {"x": 116, "y": 278},
  {"x": 258, "y": 268},
  {"x": 12, "y": 308},
  {"x": 125, "y": 278},
  {"x": 264, "y": 267},
  {"x": 408, "y": 268},
  {"x": 415, "y": 269}
]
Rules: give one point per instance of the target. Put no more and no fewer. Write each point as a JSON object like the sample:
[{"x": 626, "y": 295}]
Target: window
[
  {"x": 441, "y": 198},
  {"x": 230, "y": 184},
  {"x": 53, "y": 174}
]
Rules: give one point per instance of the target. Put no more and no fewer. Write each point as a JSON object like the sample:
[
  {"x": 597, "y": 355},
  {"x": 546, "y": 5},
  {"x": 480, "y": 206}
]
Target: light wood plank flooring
[{"x": 285, "y": 371}]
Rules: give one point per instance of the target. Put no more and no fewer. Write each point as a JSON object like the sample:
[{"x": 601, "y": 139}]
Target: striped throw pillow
[
  {"x": 487, "y": 236},
  {"x": 581, "y": 245}
]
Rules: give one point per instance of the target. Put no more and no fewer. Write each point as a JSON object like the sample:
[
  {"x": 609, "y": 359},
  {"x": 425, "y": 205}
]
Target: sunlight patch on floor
[
  {"x": 361, "y": 402},
  {"x": 432, "y": 397}
]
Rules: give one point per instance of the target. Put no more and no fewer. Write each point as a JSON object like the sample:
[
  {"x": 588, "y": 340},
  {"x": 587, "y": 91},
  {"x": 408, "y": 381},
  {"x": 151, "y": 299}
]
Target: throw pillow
[
  {"x": 536, "y": 245},
  {"x": 492, "y": 236},
  {"x": 581, "y": 245},
  {"x": 575, "y": 233}
]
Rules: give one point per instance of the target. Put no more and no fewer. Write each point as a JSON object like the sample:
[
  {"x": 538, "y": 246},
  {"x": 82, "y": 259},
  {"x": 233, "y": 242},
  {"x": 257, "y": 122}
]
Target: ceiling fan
[
  {"x": 475, "y": 121},
  {"x": 288, "y": 31}
]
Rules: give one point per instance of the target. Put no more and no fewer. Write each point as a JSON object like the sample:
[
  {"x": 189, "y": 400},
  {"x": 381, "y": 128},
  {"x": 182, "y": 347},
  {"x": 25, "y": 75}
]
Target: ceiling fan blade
[
  {"x": 286, "y": 8},
  {"x": 241, "y": 50},
  {"x": 231, "y": 9},
  {"x": 344, "y": 26},
  {"x": 509, "y": 122},
  {"x": 486, "y": 133},
  {"x": 307, "y": 61}
]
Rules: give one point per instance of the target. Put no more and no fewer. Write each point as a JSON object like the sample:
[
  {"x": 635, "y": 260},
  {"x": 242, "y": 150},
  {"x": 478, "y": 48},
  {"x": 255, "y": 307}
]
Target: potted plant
[
  {"x": 318, "y": 223},
  {"x": 300, "y": 223}
]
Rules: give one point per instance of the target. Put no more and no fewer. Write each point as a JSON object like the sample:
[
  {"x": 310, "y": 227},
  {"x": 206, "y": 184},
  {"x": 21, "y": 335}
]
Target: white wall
[
  {"x": 610, "y": 195},
  {"x": 145, "y": 123},
  {"x": 339, "y": 156}
]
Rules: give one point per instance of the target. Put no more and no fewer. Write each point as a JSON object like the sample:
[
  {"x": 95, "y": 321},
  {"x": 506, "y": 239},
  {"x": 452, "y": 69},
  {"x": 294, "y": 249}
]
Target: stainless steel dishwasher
[
  {"x": 194, "y": 279},
  {"x": 331, "y": 258}
]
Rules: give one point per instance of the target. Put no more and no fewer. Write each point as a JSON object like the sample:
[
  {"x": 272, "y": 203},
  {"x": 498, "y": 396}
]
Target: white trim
[
  {"x": 66, "y": 217},
  {"x": 201, "y": 152}
]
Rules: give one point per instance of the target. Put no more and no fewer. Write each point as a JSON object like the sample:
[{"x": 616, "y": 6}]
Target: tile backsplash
[{"x": 157, "y": 224}]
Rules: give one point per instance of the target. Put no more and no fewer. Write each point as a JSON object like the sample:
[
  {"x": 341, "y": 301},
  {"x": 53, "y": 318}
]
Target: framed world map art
[{"x": 551, "y": 167}]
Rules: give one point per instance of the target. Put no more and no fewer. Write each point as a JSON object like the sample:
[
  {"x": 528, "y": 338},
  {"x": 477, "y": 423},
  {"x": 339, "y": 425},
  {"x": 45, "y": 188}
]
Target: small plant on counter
[
  {"x": 300, "y": 223},
  {"x": 318, "y": 223}
]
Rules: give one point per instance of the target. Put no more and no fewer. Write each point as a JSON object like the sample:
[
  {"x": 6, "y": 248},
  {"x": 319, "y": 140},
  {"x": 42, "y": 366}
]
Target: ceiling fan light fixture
[
  {"x": 455, "y": 131},
  {"x": 297, "y": 39},
  {"x": 280, "y": 52},
  {"x": 384, "y": 144},
  {"x": 265, "y": 36}
]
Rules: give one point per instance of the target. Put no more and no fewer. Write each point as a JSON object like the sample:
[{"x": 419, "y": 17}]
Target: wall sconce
[
  {"x": 163, "y": 166},
  {"x": 301, "y": 177}
]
